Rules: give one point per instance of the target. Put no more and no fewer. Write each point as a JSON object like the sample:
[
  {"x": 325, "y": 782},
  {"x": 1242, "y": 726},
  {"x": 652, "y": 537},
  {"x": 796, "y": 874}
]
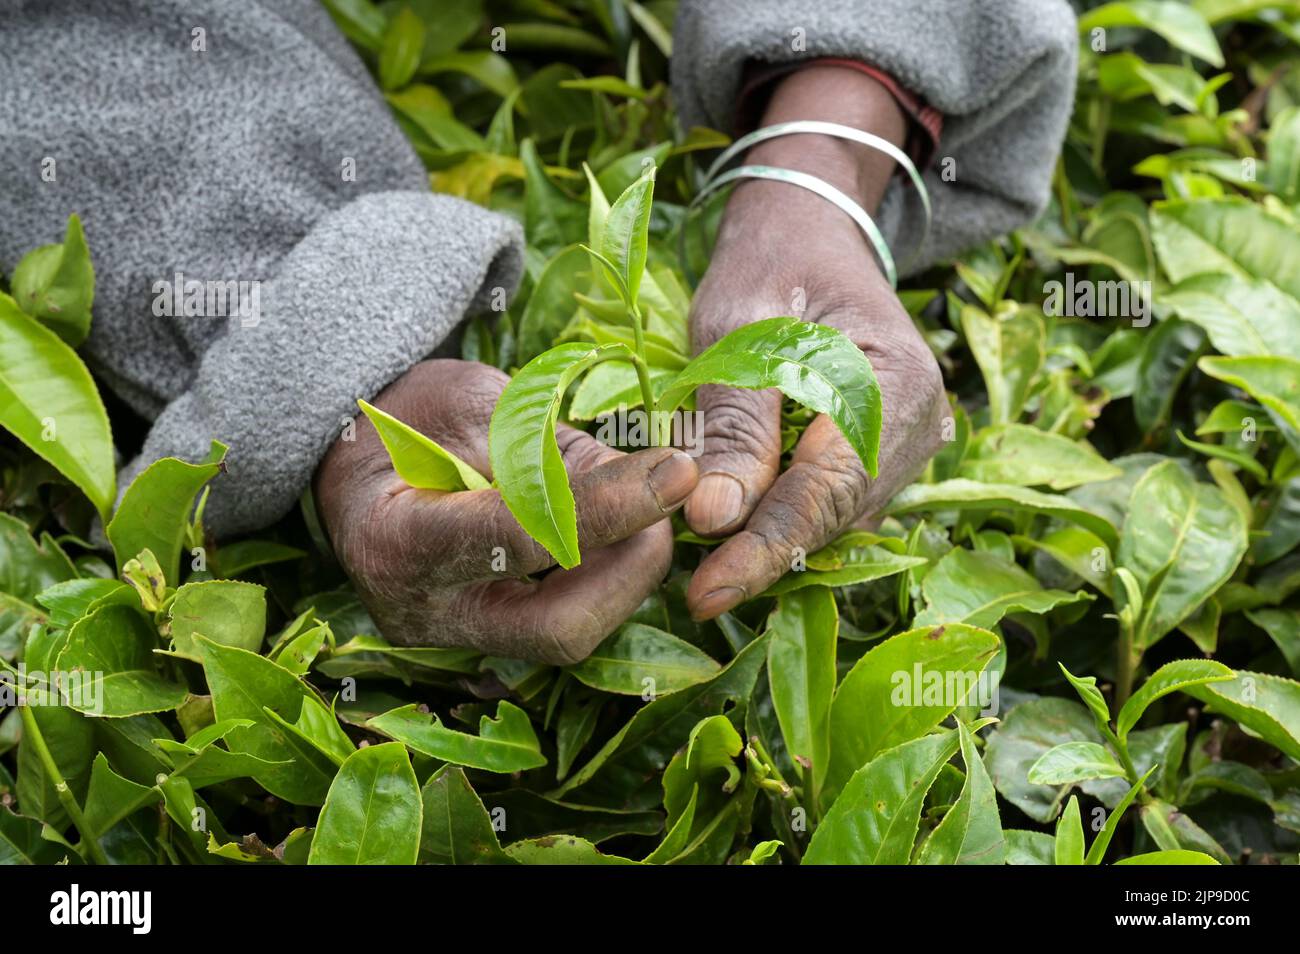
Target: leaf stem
[
  {"x": 1125, "y": 665},
  {"x": 32, "y": 732},
  {"x": 643, "y": 378}
]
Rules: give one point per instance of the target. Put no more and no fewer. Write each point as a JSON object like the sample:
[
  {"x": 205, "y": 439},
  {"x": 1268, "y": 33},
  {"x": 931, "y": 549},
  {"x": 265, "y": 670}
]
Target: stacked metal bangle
[{"x": 714, "y": 181}]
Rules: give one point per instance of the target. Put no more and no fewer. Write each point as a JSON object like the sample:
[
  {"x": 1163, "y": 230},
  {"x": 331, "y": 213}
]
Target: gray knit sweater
[{"x": 269, "y": 157}]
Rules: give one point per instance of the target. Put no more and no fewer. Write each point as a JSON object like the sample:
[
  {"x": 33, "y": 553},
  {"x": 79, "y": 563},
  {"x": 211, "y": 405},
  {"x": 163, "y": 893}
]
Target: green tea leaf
[
  {"x": 902, "y": 688},
  {"x": 1072, "y": 762},
  {"x": 1028, "y": 731},
  {"x": 968, "y": 495},
  {"x": 639, "y": 660},
  {"x": 526, "y": 461},
  {"x": 420, "y": 461},
  {"x": 801, "y": 669},
  {"x": 456, "y": 829},
  {"x": 812, "y": 364},
  {"x": 979, "y": 588},
  {"x": 1179, "y": 24},
  {"x": 50, "y": 403},
  {"x": 971, "y": 831},
  {"x": 875, "y": 818},
  {"x": 55, "y": 284},
  {"x": 624, "y": 236},
  {"x": 1097, "y": 850},
  {"x": 1266, "y": 705},
  {"x": 1272, "y": 381},
  {"x": 1069, "y": 835},
  {"x": 243, "y": 686},
  {"x": 114, "y": 645},
  {"x": 1181, "y": 540},
  {"x": 401, "y": 49},
  {"x": 1028, "y": 457},
  {"x": 155, "y": 510},
  {"x": 1010, "y": 349},
  {"x": 373, "y": 812},
  {"x": 228, "y": 612},
  {"x": 1171, "y": 677},
  {"x": 617, "y": 775},
  {"x": 504, "y": 744},
  {"x": 1174, "y": 857}
]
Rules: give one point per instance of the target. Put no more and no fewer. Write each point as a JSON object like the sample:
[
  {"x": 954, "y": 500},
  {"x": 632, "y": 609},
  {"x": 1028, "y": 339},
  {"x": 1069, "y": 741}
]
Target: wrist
[{"x": 839, "y": 95}]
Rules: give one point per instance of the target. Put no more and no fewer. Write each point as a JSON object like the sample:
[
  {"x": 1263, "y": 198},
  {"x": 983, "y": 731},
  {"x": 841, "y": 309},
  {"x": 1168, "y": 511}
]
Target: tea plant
[{"x": 1073, "y": 641}]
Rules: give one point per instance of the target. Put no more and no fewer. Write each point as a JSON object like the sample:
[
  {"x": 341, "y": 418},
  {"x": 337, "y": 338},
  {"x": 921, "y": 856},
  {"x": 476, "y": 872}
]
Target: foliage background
[{"x": 1117, "y": 502}]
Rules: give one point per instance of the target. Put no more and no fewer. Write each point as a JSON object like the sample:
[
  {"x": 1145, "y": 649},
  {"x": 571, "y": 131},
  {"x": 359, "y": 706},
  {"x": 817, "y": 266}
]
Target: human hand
[
  {"x": 780, "y": 246},
  {"x": 451, "y": 569}
]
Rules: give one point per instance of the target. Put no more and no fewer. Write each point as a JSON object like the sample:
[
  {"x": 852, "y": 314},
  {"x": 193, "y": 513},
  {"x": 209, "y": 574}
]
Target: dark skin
[{"x": 426, "y": 564}]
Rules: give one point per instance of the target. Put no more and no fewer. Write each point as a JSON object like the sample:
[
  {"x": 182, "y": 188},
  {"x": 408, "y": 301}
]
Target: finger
[
  {"x": 742, "y": 453},
  {"x": 476, "y": 537},
  {"x": 563, "y": 617},
  {"x": 825, "y": 489}
]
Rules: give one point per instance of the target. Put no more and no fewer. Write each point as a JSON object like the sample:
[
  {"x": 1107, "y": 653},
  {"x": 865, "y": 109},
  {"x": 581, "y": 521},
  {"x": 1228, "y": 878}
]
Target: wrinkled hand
[
  {"x": 427, "y": 564},
  {"x": 780, "y": 247}
]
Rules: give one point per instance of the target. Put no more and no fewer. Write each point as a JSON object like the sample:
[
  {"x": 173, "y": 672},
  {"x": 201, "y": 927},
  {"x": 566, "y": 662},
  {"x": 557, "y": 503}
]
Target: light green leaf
[
  {"x": 1179, "y": 24},
  {"x": 1010, "y": 349},
  {"x": 228, "y": 612},
  {"x": 638, "y": 659},
  {"x": 1069, "y": 835},
  {"x": 400, "y": 51},
  {"x": 420, "y": 461},
  {"x": 1028, "y": 457},
  {"x": 551, "y": 303},
  {"x": 50, "y": 403},
  {"x": 971, "y": 831},
  {"x": 1181, "y": 540},
  {"x": 55, "y": 284},
  {"x": 875, "y": 818},
  {"x": 373, "y": 811},
  {"x": 853, "y": 563},
  {"x": 902, "y": 688},
  {"x": 504, "y": 744},
  {"x": 1097, "y": 850},
  {"x": 1173, "y": 857},
  {"x": 979, "y": 588},
  {"x": 961, "y": 494},
  {"x": 1271, "y": 380},
  {"x": 1171, "y": 677},
  {"x": 526, "y": 460},
  {"x": 801, "y": 671},
  {"x": 1266, "y": 705},
  {"x": 1072, "y": 762},
  {"x": 155, "y": 510},
  {"x": 114, "y": 647},
  {"x": 624, "y": 236},
  {"x": 812, "y": 364}
]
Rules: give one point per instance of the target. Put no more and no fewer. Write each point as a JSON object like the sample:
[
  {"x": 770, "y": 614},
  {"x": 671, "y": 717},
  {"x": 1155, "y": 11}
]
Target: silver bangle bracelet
[
  {"x": 822, "y": 188},
  {"x": 838, "y": 131}
]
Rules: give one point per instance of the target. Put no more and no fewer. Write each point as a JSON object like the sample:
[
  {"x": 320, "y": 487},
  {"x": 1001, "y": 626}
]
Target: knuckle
[{"x": 731, "y": 424}]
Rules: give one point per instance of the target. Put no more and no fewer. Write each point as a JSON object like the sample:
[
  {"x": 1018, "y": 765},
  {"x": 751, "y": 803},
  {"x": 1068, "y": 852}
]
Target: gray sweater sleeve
[
  {"x": 219, "y": 142},
  {"x": 1002, "y": 72}
]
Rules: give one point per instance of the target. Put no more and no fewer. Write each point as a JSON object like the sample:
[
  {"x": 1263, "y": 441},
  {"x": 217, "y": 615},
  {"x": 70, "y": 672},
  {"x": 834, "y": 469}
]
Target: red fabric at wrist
[{"x": 926, "y": 121}]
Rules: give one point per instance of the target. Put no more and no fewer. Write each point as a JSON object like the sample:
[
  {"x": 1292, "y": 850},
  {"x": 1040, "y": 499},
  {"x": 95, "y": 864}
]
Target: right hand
[{"x": 422, "y": 561}]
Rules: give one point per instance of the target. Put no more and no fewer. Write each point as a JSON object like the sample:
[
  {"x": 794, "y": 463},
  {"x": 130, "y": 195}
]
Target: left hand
[{"x": 779, "y": 244}]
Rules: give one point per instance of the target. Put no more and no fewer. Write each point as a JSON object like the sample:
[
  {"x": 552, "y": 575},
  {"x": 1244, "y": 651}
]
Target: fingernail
[
  {"x": 717, "y": 602},
  {"x": 716, "y": 503},
  {"x": 672, "y": 479}
]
